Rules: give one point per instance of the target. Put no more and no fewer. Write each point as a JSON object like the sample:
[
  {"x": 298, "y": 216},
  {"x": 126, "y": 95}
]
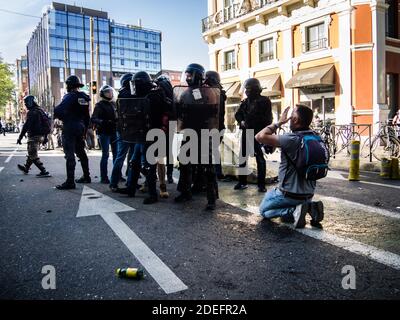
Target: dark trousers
[
  {"x": 74, "y": 144},
  {"x": 261, "y": 163},
  {"x": 135, "y": 167},
  {"x": 202, "y": 174}
]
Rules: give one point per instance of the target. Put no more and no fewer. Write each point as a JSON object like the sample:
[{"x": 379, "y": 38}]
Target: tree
[{"x": 6, "y": 84}]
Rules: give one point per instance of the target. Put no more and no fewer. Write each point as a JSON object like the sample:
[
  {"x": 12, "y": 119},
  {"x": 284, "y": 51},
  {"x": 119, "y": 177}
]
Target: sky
[{"x": 178, "y": 20}]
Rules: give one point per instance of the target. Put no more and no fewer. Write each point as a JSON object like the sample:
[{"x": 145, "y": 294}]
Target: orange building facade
[{"x": 340, "y": 57}]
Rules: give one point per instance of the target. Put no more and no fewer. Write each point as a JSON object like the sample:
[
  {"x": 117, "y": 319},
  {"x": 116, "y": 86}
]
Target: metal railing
[
  {"x": 228, "y": 66},
  {"x": 315, "y": 45},
  {"x": 232, "y": 12},
  {"x": 266, "y": 56}
]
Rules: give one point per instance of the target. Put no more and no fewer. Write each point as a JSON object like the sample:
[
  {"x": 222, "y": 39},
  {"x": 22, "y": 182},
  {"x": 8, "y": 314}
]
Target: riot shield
[
  {"x": 197, "y": 107},
  {"x": 133, "y": 119}
]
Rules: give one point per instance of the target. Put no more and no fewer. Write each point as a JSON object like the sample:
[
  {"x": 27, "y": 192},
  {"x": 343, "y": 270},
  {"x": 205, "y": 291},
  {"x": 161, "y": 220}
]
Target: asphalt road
[{"x": 229, "y": 254}]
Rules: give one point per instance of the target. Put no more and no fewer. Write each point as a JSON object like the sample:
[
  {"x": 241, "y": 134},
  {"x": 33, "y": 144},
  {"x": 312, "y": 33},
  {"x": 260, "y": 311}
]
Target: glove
[{"x": 19, "y": 141}]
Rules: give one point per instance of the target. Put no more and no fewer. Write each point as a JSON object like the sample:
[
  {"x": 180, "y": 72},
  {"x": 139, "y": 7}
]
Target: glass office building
[{"x": 60, "y": 46}]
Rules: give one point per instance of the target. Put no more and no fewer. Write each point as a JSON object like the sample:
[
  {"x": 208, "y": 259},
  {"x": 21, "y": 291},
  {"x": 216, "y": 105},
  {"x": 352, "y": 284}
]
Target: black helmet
[
  {"x": 253, "y": 88},
  {"x": 125, "y": 80},
  {"x": 141, "y": 77},
  {"x": 30, "y": 101},
  {"x": 197, "y": 74},
  {"x": 107, "y": 92},
  {"x": 74, "y": 82},
  {"x": 212, "y": 78},
  {"x": 141, "y": 83}
]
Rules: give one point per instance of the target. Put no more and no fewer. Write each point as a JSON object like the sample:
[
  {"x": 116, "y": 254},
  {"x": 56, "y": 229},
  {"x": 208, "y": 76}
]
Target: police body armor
[
  {"x": 134, "y": 119},
  {"x": 197, "y": 107}
]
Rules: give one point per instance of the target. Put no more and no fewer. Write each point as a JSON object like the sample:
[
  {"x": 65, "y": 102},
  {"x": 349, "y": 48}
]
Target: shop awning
[
  {"x": 232, "y": 89},
  {"x": 271, "y": 85},
  {"x": 321, "y": 76}
]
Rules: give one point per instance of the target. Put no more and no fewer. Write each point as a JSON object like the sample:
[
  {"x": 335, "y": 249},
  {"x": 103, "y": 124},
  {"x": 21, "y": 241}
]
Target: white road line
[
  {"x": 1, "y": 169},
  {"x": 95, "y": 203},
  {"x": 384, "y": 257},
  {"x": 163, "y": 275},
  {"x": 364, "y": 207},
  {"x": 338, "y": 176},
  {"x": 10, "y": 156}
]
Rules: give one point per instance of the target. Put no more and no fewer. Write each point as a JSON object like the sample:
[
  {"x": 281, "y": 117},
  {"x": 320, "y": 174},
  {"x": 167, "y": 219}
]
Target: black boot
[
  {"x": 150, "y": 200},
  {"x": 66, "y": 186},
  {"x": 23, "y": 168},
  {"x": 43, "y": 171},
  {"x": 84, "y": 179}
]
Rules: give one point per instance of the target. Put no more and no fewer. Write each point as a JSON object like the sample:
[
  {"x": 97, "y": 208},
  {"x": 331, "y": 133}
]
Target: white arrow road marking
[
  {"x": 10, "y": 156},
  {"x": 385, "y": 257},
  {"x": 95, "y": 203}
]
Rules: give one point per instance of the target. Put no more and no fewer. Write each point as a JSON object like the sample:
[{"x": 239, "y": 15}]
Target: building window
[
  {"x": 146, "y": 45},
  {"x": 229, "y": 60},
  {"x": 122, "y": 62},
  {"x": 136, "y": 63},
  {"x": 147, "y": 55},
  {"x": 62, "y": 79},
  {"x": 392, "y": 19},
  {"x": 266, "y": 49},
  {"x": 122, "y": 52},
  {"x": 112, "y": 29},
  {"x": 121, "y": 41},
  {"x": 146, "y": 35},
  {"x": 315, "y": 38},
  {"x": 147, "y": 65}
]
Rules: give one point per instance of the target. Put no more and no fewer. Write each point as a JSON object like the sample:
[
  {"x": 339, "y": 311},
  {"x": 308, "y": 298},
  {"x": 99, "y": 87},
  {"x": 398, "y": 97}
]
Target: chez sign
[{"x": 238, "y": 9}]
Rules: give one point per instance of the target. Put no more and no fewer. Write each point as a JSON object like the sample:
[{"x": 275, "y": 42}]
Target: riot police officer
[
  {"x": 197, "y": 108},
  {"x": 36, "y": 136},
  {"x": 254, "y": 113},
  {"x": 141, "y": 113},
  {"x": 73, "y": 111}
]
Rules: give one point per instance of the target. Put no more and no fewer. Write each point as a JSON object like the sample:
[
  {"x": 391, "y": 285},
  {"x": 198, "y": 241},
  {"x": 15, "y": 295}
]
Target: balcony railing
[
  {"x": 315, "y": 45},
  {"x": 266, "y": 56},
  {"x": 228, "y": 66},
  {"x": 232, "y": 12}
]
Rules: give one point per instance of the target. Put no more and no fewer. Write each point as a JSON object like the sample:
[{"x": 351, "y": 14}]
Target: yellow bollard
[
  {"x": 354, "y": 170},
  {"x": 395, "y": 169},
  {"x": 386, "y": 168}
]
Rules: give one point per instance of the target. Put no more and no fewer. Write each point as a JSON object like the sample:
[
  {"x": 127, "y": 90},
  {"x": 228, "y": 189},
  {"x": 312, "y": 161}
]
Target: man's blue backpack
[{"x": 312, "y": 157}]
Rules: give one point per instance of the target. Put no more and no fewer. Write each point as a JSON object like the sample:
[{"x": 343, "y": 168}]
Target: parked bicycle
[
  {"x": 343, "y": 135},
  {"x": 384, "y": 144}
]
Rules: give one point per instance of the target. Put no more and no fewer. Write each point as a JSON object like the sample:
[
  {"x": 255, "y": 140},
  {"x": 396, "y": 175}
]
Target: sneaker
[
  {"x": 299, "y": 215},
  {"x": 23, "y": 168},
  {"x": 66, "y": 186},
  {"x": 317, "y": 211},
  {"x": 113, "y": 188},
  {"x": 240, "y": 186},
  {"x": 83, "y": 180},
  {"x": 183, "y": 197},
  {"x": 163, "y": 191},
  {"x": 150, "y": 200},
  {"x": 43, "y": 174},
  {"x": 287, "y": 218},
  {"x": 105, "y": 181},
  {"x": 316, "y": 224}
]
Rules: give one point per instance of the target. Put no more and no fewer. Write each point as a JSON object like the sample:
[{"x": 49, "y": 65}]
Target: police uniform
[{"x": 73, "y": 111}]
